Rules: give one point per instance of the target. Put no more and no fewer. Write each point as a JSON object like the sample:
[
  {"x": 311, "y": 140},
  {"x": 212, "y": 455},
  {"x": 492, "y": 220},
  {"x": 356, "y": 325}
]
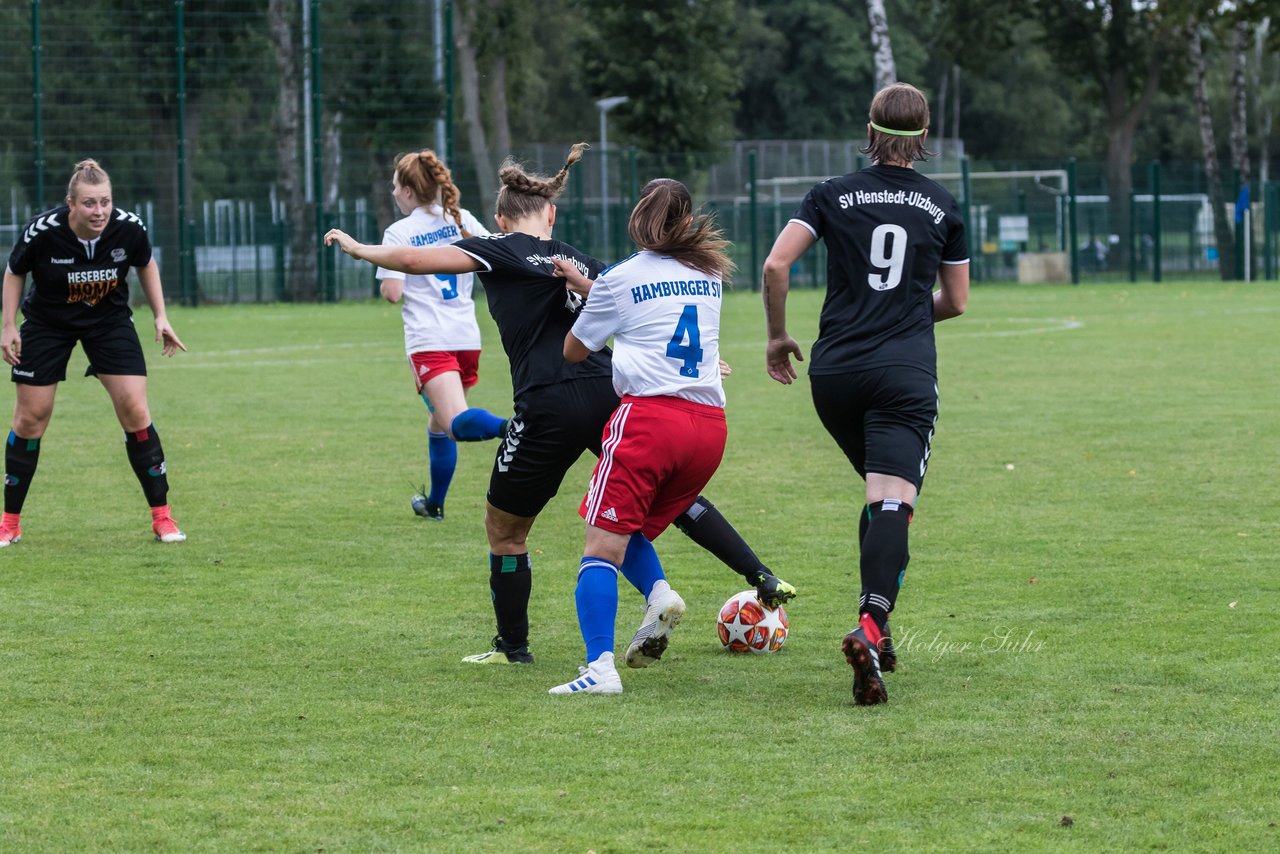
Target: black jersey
[
  {"x": 75, "y": 283},
  {"x": 531, "y": 306},
  {"x": 887, "y": 229}
]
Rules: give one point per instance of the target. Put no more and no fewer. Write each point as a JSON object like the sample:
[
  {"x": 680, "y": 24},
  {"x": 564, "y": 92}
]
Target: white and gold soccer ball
[{"x": 746, "y": 625}]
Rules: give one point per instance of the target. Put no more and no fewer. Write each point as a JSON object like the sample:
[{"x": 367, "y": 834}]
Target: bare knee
[
  {"x": 31, "y": 416},
  {"x": 31, "y": 425},
  {"x": 508, "y": 534}
]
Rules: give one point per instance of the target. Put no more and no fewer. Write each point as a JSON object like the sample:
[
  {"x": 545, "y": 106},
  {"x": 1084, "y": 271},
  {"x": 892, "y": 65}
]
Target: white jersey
[
  {"x": 665, "y": 321},
  {"x": 438, "y": 311}
]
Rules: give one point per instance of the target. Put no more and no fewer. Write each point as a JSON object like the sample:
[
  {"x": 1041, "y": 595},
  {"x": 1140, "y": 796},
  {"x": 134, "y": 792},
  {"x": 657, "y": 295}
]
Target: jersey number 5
[
  {"x": 450, "y": 289},
  {"x": 689, "y": 355},
  {"x": 890, "y": 262}
]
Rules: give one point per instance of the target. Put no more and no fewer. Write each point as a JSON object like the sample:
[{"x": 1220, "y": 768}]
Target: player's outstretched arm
[
  {"x": 149, "y": 278},
  {"x": 791, "y": 244},
  {"x": 416, "y": 260}
]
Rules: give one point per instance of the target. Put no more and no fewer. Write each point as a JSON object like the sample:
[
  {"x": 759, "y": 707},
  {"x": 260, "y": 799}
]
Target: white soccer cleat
[
  {"x": 661, "y": 617},
  {"x": 598, "y": 677}
]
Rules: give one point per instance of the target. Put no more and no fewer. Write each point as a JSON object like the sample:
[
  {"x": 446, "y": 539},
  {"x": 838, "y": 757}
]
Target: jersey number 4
[
  {"x": 689, "y": 355},
  {"x": 887, "y": 259},
  {"x": 450, "y": 281}
]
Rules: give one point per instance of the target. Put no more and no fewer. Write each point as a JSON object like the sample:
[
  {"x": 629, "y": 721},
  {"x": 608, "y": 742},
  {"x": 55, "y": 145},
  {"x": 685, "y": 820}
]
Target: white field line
[{"x": 235, "y": 358}]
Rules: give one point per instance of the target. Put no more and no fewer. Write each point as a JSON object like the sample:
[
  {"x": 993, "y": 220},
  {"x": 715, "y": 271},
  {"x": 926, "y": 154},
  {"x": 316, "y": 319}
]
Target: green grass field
[{"x": 1088, "y": 631}]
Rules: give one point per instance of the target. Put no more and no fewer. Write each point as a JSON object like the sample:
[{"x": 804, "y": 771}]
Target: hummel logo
[
  {"x": 62, "y": 260},
  {"x": 610, "y": 515},
  {"x": 41, "y": 223},
  {"x": 509, "y": 444},
  {"x": 122, "y": 214}
]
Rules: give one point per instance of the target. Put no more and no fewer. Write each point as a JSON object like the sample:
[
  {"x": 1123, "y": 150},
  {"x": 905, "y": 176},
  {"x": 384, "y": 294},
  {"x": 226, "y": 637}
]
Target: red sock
[{"x": 869, "y": 628}]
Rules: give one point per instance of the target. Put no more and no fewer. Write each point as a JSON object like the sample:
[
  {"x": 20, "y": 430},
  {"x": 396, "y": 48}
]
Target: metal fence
[{"x": 240, "y": 131}]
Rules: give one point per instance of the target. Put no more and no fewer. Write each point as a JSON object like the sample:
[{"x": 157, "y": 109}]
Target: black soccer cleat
[
  {"x": 424, "y": 508},
  {"x": 888, "y": 653},
  {"x": 864, "y": 657},
  {"x": 502, "y": 653},
  {"x": 772, "y": 590}
]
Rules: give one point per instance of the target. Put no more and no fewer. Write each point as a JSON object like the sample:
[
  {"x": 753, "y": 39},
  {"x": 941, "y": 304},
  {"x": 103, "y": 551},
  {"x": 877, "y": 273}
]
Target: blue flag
[{"x": 1242, "y": 203}]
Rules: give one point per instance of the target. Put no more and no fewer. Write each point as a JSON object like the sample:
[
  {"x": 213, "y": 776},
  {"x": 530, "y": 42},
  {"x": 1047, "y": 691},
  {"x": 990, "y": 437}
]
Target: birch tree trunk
[
  {"x": 1221, "y": 225},
  {"x": 301, "y": 281},
  {"x": 1262, "y": 107},
  {"x": 1239, "y": 100},
  {"x": 885, "y": 70},
  {"x": 469, "y": 80},
  {"x": 941, "y": 101},
  {"x": 498, "y": 103}
]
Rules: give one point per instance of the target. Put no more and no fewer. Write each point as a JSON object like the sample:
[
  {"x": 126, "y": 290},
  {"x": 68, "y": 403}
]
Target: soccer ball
[{"x": 746, "y": 625}]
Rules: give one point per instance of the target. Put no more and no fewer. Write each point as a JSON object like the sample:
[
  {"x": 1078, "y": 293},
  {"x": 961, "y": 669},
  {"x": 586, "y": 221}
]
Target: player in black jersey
[
  {"x": 560, "y": 408},
  {"x": 78, "y": 256},
  {"x": 890, "y": 234}
]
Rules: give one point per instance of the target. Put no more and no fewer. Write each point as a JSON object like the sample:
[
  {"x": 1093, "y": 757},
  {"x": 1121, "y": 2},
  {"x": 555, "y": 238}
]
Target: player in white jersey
[
  {"x": 441, "y": 336},
  {"x": 666, "y": 439}
]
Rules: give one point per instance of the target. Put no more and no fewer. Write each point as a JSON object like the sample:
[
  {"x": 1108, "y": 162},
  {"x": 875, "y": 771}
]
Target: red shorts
[
  {"x": 658, "y": 453},
  {"x": 430, "y": 364}
]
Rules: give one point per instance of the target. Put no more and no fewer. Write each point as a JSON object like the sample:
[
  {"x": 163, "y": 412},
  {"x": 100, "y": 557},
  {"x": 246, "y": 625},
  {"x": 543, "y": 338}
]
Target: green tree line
[{"x": 1114, "y": 82}]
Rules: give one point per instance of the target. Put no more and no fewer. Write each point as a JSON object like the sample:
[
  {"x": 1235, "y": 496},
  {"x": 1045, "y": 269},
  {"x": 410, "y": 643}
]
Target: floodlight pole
[{"x": 605, "y": 105}]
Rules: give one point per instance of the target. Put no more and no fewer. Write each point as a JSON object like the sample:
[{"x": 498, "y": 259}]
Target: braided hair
[
  {"x": 523, "y": 193},
  {"x": 430, "y": 181}
]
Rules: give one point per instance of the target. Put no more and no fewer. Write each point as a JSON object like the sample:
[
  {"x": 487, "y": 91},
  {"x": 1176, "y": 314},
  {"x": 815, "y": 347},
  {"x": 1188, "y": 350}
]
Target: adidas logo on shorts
[{"x": 610, "y": 515}]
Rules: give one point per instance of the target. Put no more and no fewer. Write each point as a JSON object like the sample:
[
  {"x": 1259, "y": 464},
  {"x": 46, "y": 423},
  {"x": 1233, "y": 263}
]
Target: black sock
[
  {"x": 884, "y": 556},
  {"x": 20, "y": 458},
  {"x": 147, "y": 458},
  {"x": 707, "y": 527},
  {"x": 510, "y": 583}
]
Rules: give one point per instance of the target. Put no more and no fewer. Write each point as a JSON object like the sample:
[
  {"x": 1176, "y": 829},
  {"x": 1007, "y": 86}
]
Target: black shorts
[
  {"x": 549, "y": 431},
  {"x": 112, "y": 347},
  {"x": 882, "y": 419}
]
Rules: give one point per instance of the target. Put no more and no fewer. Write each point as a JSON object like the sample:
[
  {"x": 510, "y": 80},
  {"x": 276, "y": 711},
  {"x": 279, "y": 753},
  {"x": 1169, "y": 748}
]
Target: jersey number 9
[
  {"x": 889, "y": 262},
  {"x": 450, "y": 282}
]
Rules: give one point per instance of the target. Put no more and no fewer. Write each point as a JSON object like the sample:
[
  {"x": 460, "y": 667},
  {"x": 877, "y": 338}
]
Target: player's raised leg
[{"x": 705, "y": 525}]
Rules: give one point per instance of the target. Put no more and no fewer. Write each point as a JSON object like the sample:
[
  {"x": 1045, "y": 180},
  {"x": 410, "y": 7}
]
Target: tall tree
[
  {"x": 1240, "y": 99},
  {"x": 675, "y": 60},
  {"x": 885, "y": 69},
  {"x": 1263, "y": 106},
  {"x": 466, "y": 20},
  {"x": 302, "y": 284},
  {"x": 1212, "y": 174},
  {"x": 1121, "y": 46},
  {"x": 806, "y": 70}
]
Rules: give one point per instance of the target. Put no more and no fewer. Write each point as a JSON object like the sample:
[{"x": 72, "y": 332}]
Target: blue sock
[
  {"x": 641, "y": 566},
  {"x": 443, "y": 453},
  {"x": 476, "y": 425},
  {"x": 597, "y": 598}
]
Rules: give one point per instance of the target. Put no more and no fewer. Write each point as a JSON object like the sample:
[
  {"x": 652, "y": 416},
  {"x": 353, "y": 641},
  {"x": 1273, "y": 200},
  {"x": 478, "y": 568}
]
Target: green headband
[{"x": 893, "y": 132}]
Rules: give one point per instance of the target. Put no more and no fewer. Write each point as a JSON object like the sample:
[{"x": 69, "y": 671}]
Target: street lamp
[{"x": 605, "y": 105}]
